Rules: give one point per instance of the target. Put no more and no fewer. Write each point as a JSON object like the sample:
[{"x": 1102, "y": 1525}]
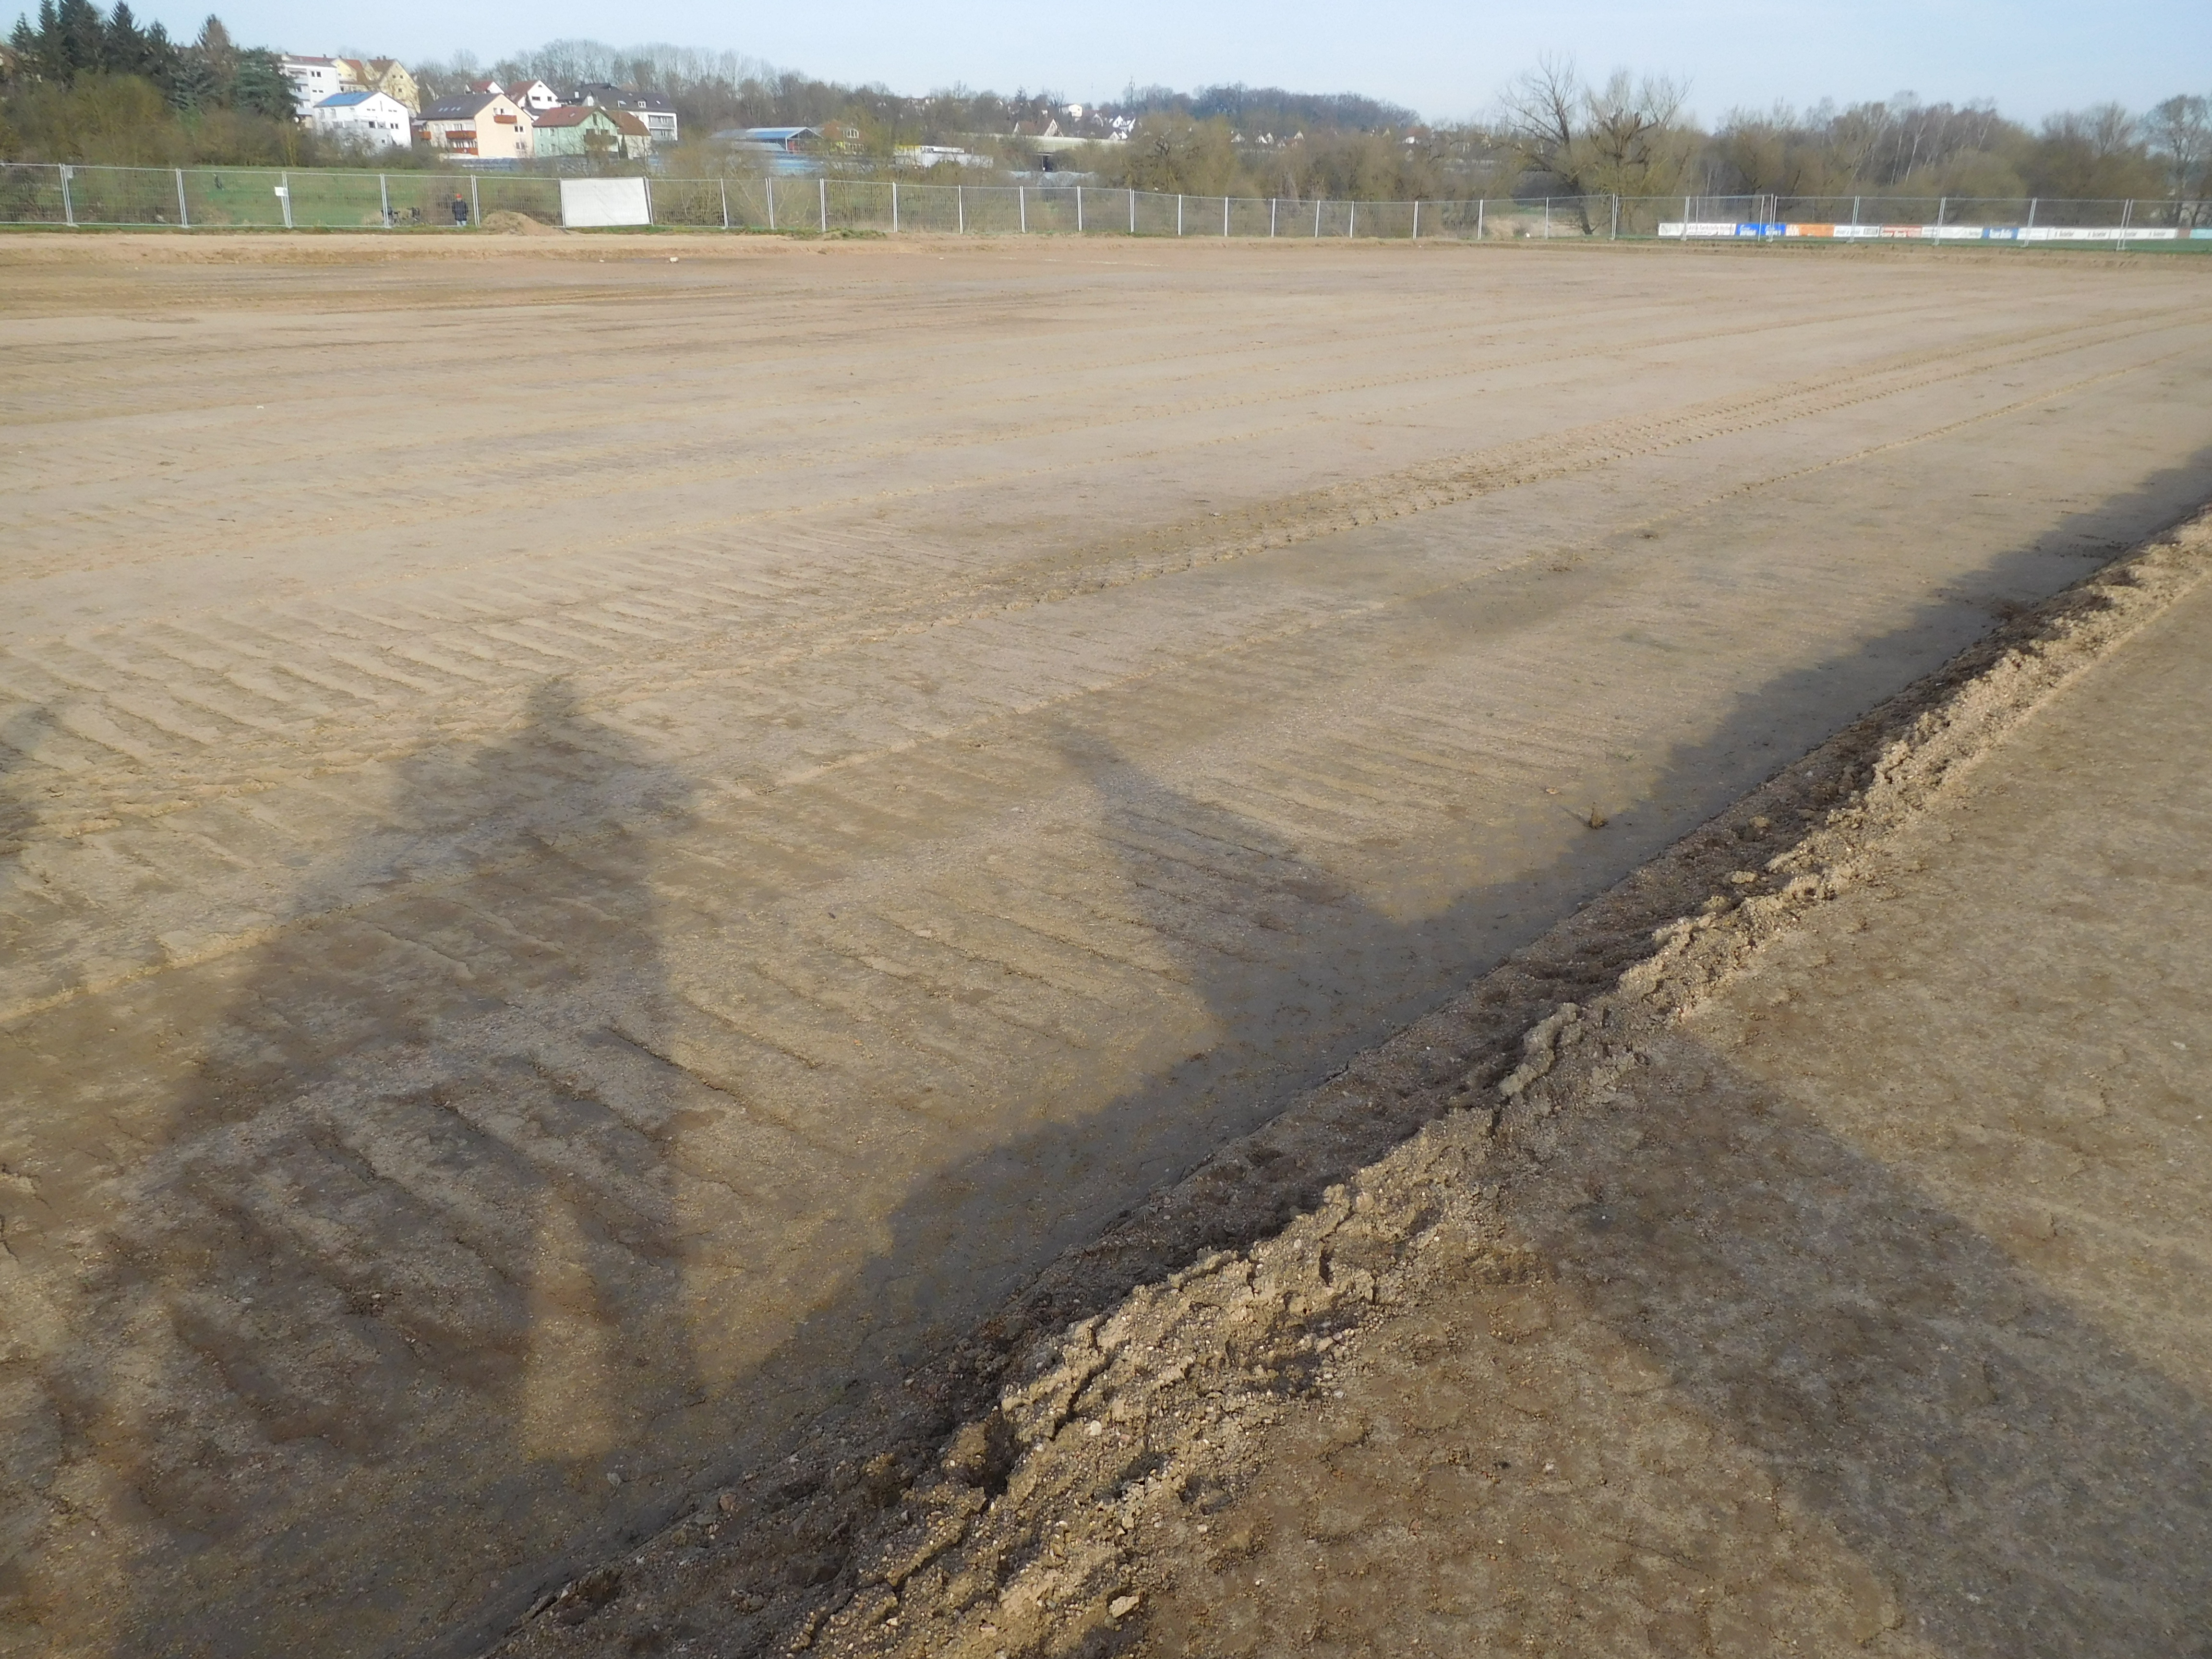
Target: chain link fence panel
[{"x": 334, "y": 199}]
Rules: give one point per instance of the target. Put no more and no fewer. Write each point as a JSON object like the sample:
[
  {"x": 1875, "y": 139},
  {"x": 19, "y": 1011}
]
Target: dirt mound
[{"x": 507, "y": 222}]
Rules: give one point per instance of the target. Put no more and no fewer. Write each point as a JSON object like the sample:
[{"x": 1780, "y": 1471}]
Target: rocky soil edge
[{"x": 981, "y": 1508}]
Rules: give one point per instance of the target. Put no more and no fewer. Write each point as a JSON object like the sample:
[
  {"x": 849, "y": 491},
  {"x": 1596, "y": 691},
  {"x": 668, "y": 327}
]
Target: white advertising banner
[{"x": 588, "y": 202}]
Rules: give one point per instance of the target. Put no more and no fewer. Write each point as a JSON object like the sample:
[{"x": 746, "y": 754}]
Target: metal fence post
[
  {"x": 960, "y": 206},
  {"x": 1271, "y": 215},
  {"x": 894, "y": 207},
  {"x": 1078, "y": 210},
  {"x": 767, "y": 188},
  {"x": 184, "y": 210},
  {"x": 476, "y": 205},
  {"x": 648, "y": 200},
  {"x": 285, "y": 194},
  {"x": 1224, "y": 218},
  {"x": 1317, "y": 219},
  {"x": 2031, "y": 212},
  {"x": 1022, "y": 203},
  {"x": 2127, "y": 218},
  {"x": 1615, "y": 235},
  {"x": 1350, "y": 219},
  {"x": 1133, "y": 211},
  {"x": 1480, "y": 203},
  {"x": 1417, "y": 218},
  {"x": 824, "y": 184},
  {"x": 384, "y": 198},
  {"x": 1855, "y": 212},
  {"x": 725, "y": 183},
  {"x": 1547, "y": 218},
  {"x": 1178, "y": 214},
  {"x": 1942, "y": 202}
]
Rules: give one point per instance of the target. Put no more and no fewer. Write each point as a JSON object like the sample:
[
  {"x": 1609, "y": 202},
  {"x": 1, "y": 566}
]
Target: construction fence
[{"x": 231, "y": 198}]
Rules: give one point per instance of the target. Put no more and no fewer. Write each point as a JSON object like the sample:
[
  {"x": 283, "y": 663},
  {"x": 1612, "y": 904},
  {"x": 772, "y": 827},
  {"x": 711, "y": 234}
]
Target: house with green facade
[{"x": 591, "y": 130}]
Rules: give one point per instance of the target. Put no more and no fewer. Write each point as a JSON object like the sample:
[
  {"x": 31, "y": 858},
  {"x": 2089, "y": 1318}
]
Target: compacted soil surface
[{"x": 606, "y": 843}]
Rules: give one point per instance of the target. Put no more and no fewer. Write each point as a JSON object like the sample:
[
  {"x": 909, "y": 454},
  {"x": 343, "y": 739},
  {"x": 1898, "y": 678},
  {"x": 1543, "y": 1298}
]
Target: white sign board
[{"x": 605, "y": 202}]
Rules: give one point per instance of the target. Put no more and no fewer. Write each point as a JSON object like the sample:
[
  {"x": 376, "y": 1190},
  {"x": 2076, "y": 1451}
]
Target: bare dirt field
[
  {"x": 607, "y": 841},
  {"x": 1831, "y": 1284}
]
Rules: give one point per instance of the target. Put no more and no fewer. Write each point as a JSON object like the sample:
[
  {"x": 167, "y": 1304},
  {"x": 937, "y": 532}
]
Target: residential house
[
  {"x": 532, "y": 95},
  {"x": 658, "y": 113},
  {"x": 489, "y": 125},
  {"x": 385, "y": 74},
  {"x": 587, "y": 131},
  {"x": 314, "y": 79},
  {"x": 368, "y": 118}
]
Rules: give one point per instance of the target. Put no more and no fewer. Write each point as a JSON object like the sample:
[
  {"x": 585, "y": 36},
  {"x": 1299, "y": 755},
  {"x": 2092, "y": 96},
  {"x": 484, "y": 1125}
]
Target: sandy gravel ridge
[{"x": 1035, "y": 1490}]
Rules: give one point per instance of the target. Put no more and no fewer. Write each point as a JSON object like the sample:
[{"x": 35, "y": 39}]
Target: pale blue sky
[{"x": 1445, "y": 60}]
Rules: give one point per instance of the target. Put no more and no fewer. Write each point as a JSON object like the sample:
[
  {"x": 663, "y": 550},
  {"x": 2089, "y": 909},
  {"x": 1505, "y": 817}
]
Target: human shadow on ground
[{"x": 397, "y": 1272}]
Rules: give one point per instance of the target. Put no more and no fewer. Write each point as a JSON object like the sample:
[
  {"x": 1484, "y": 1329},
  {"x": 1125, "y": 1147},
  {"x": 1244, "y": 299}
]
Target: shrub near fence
[{"x": 234, "y": 198}]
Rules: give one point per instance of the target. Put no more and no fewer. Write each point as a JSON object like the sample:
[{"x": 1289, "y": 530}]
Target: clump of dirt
[
  {"x": 506, "y": 221},
  {"x": 1033, "y": 1490}
]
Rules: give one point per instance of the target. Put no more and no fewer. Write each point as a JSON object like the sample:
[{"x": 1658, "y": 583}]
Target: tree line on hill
[{"x": 82, "y": 86}]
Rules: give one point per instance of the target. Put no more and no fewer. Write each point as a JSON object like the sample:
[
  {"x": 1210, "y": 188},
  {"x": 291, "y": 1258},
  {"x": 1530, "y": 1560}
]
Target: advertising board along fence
[
  {"x": 1757, "y": 230},
  {"x": 605, "y": 202},
  {"x": 197, "y": 198}
]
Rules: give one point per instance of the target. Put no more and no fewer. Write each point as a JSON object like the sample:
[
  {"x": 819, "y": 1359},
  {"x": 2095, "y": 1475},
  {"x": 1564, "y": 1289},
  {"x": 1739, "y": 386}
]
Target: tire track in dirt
[{"x": 472, "y": 664}]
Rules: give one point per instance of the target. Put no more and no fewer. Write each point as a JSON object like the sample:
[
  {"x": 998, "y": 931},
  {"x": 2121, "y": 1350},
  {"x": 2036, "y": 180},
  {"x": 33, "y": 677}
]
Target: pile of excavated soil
[
  {"x": 1821, "y": 1279},
  {"x": 507, "y": 222}
]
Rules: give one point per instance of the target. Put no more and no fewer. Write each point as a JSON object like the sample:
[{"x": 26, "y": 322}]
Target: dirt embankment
[{"x": 1093, "y": 1474}]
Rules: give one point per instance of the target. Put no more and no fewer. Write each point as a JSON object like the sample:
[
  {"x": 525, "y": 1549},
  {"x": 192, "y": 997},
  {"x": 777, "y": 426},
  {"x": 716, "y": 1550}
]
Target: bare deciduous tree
[{"x": 1624, "y": 138}]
